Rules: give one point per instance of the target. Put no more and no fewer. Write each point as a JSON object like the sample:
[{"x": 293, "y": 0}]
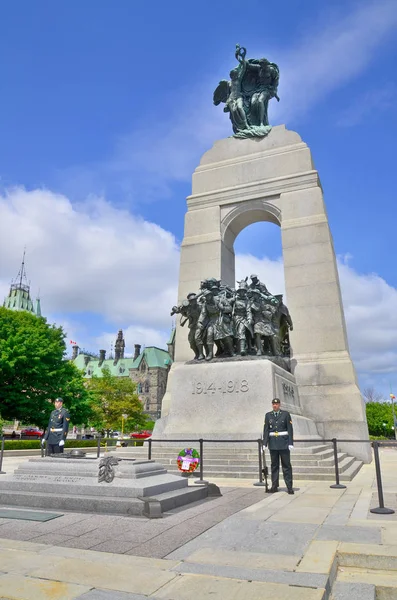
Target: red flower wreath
[{"x": 188, "y": 457}]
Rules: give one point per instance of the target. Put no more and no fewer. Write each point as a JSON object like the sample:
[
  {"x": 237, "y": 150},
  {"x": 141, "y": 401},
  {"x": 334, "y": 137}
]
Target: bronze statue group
[{"x": 225, "y": 322}]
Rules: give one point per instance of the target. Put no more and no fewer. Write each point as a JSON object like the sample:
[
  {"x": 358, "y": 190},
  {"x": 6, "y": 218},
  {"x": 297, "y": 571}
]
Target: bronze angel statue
[{"x": 246, "y": 95}]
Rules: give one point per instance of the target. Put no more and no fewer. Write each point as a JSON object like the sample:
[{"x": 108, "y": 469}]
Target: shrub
[{"x": 36, "y": 445}]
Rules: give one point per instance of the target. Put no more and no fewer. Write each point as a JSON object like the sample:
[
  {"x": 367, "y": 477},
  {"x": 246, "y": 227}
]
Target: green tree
[
  {"x": 33, "y": 371},
  {"x": 380, "y": 418},
  {"x": 111, "y": 398}
]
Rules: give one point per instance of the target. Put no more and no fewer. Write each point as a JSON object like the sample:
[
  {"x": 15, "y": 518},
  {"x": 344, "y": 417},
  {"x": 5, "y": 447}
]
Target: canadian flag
[{"x": 74, "y": 343}]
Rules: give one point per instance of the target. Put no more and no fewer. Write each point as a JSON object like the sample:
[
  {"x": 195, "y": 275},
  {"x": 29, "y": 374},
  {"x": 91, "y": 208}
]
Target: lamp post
[
  {"x": 384, "y": 428},
  {"x": 123, "y": 416}
]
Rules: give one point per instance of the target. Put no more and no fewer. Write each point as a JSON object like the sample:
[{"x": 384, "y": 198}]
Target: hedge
[{"x": 35, "y": 444}]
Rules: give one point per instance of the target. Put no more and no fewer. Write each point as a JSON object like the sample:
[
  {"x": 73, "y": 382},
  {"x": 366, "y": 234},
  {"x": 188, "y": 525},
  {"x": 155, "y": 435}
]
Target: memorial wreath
[{"x": 188, "y": 460}]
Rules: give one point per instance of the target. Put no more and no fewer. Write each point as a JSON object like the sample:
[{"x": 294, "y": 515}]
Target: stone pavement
[{"x": 321, "y": 543}]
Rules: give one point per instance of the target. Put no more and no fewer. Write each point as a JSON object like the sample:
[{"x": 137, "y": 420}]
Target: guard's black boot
[
  {"x": 273, "y": 490},
  {"x": 291, "y": 491}
]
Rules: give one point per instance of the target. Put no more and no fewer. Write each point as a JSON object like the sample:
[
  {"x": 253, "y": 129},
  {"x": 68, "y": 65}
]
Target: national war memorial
[{"x": 243, "y": 345}]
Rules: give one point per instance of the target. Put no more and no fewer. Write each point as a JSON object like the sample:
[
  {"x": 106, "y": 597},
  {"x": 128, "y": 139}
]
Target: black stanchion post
[
  {"x": 42, "y": 442},
  {"x": 260, "y": 482},
  {"x": 1, "y": 456},
  {"x": 98, "y": 450},
  {"x": 336, "y": 485},
  {"x": 380, "y": 510},
  {"x": 149, "y": 451},
  {"x": 201, "y": 481}
]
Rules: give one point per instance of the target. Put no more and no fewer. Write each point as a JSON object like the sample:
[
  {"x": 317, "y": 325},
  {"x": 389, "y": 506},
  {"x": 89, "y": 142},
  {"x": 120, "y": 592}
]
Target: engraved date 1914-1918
[{"x": 224, "y": 387}]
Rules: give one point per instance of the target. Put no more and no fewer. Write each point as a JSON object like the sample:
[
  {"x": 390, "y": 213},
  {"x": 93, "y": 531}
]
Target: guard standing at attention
[
  {"x": 278, "y": 435},
  {"x": 57, "y": 429}
]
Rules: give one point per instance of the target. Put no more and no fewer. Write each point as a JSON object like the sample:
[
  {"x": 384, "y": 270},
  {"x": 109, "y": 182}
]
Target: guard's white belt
[
  {"x": 61, "y": 429},
  {"x": 276, "y": 433}
]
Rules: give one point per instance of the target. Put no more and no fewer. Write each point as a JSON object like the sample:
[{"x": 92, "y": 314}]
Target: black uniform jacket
[
  {"x": 276, "y": 425},
  {"x": 59, "y": 419}
]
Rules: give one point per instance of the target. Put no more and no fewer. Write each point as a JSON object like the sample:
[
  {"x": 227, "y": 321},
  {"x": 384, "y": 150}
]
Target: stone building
[
  {"x": 148, "y": 368},
  {"x": 19, "y": 295}
]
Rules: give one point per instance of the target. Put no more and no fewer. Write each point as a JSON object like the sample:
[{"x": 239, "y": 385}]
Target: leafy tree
[
  {"x": 33, "y": 371},
  {"x": 378, "y": 414},
  {"x": 111, "y": 398}
]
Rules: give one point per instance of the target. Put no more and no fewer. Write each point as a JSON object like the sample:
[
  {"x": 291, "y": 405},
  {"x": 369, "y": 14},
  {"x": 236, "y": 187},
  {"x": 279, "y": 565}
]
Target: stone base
[
  {"x": 139, "y": 487},
  {"x": 227, "y": 400}
]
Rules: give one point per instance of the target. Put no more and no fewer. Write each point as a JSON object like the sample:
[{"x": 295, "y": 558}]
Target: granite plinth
[
  {"x": 228, "y": 400},
  {"x": 72, "y": 484}
]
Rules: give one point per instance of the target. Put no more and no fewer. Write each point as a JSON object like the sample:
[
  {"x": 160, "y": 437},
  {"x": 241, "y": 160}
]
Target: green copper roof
[{"x": 154, "y": 357}]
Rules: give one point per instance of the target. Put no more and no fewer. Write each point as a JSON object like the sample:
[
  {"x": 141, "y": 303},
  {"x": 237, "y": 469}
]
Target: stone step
[
  {"x": 118, "y": 488},
  {"x": 97, "y": 504},
  {"x": 142, "y": 452},
  {"x": 252, "y": 462},
  {"x": 160, "y": 456},
  {"x": 315, "y": 462}
]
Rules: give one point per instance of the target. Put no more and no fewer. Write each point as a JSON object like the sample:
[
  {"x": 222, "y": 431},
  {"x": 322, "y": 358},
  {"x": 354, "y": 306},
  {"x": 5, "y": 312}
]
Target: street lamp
[
  {"x": 384, "y": 428},
  {"x": 123, "y": 416}
]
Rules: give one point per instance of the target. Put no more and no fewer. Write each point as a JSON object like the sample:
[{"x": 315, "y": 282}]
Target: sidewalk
[{"x": 244, "y": 545}]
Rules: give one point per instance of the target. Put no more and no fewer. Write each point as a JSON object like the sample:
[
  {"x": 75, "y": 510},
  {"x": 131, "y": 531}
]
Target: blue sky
[{"x": 106, "y": 110}]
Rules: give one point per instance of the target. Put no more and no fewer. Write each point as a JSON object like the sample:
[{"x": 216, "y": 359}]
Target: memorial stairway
[{"x": 309, "y": 462}]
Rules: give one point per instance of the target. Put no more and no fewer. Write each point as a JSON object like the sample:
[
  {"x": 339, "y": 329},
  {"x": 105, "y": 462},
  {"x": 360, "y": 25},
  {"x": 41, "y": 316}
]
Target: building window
[
  {"x": 146, "y": 387},
  {"x": 139, "y": 388}
]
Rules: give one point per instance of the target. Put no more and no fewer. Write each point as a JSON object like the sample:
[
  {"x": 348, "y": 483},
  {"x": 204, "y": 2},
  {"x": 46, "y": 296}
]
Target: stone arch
[
  {"x": 239, "y": 182},
  {"x": 237, "y": 217}
]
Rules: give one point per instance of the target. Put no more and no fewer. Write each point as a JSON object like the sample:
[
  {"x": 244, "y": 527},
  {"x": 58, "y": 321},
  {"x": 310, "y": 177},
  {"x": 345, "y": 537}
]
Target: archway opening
[{"x": 258, "y": 250}]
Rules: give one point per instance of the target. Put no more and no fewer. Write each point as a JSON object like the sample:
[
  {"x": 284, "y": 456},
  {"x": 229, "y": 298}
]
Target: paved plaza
[{"x": 320, "y": 543}]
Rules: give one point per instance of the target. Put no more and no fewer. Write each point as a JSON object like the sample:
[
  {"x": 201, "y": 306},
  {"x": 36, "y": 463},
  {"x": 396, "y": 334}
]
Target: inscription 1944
[{"x": 232, "y": 386}]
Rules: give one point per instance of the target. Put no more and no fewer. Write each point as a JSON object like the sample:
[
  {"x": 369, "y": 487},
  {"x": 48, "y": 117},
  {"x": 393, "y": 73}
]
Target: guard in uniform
[
  {"x": 278, "y": 435},
  {"x": 57, "y": 429}
]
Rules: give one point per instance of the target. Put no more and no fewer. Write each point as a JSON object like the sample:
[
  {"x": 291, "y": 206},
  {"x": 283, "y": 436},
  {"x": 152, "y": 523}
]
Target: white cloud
[
  {"x": 370, "y": 308},
  {"x": 91, "y": 257}
]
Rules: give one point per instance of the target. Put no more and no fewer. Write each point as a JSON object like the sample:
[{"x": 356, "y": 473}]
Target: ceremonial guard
[
  {"x": 278, "y": 435},
  {"x": 57, "y": 429}
]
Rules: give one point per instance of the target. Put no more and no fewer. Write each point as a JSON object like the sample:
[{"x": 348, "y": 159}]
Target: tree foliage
[
  {"x": 380, "y": 419},
  {"x": 33, "y": 371},
  {"x": 111, "y": 398}
]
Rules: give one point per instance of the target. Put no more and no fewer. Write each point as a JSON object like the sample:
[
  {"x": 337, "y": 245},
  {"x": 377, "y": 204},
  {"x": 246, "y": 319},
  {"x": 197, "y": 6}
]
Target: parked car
[
  {"x": 32, "y": 432},
  {"x": 141, "y": 435},
  {"x": 115, "y": 434}
]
